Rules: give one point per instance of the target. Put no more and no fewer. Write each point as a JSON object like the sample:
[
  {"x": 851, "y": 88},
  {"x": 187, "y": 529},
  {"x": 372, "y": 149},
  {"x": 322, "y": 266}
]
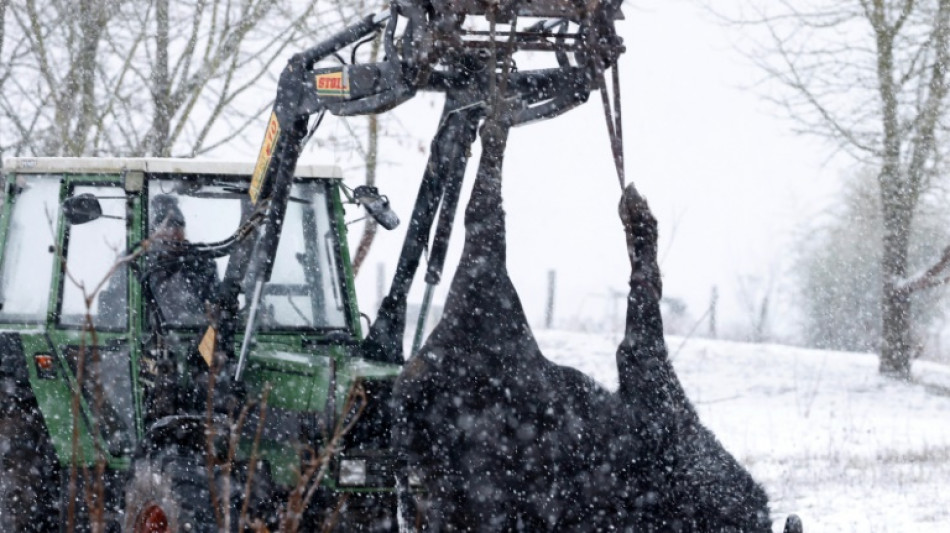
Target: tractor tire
[
  {"x": 29, "y": 472},
  {"x": 169, "y": 492}
]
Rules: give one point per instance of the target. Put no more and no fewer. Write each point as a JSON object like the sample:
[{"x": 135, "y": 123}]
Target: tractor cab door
[
  {"x": 185, "y": 209},
  {"x": 95, "y": 287},
  {"x": 306, "y": 287},
  {"x": 66, "y": 304},
  {"x": 305, "y": 309},
  {"x": 27, "y": 264},
  {"x": 93, "y": 312},
  {"x": 306, "y": 292}
]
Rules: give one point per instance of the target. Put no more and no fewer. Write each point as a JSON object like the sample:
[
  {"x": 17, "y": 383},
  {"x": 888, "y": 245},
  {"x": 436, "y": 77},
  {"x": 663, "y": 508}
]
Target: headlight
[{"x": 352, "y": 472}]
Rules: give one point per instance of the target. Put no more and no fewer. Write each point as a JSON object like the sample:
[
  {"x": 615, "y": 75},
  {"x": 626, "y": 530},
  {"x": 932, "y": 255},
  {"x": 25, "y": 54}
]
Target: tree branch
[
  {"x": 116, "y": 83},
  {"x": 906, "y": 9},
  {"x": 929, "y": 115},
  {"x": 928, "y": 278},
  {"x": 183, "y": 65},
  {"x": 796, "y": 82},
  {"x": 3, "y": 24}
]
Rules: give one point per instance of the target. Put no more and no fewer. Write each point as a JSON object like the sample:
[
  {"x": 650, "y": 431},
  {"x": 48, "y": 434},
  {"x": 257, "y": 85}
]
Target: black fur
[{"x": 505, "y": 440}]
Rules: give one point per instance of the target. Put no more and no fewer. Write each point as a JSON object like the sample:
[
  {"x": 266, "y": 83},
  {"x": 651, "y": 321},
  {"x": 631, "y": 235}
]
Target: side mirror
[
  {"x": 81, "y": 208},
  {"x": 376, "y": 205}
]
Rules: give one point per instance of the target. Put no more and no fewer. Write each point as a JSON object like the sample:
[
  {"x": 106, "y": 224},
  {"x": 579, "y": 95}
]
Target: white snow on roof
[{"x": 152, "y": 164}]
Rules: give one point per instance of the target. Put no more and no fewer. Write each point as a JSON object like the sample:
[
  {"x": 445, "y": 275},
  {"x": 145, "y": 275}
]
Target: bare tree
[
  {"x": 870, "y": 75},
  {"x": 365, "y": 144},
  {"x": 162, "y": 77},
  {"x": 838, "y": 268},
  {"x": 372, "y": 162},
  {"x": 141, "y": 77},
  {"x": 3, "y": 23}
]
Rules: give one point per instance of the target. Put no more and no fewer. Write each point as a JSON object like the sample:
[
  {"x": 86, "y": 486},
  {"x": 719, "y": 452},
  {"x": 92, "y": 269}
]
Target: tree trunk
[
  {"x": 370, "y": 226},
  {"x": 90, "y": 15},
  {"x": 897, "y": 209},
  {"x": 906, "y": 45},
  {"x": 3, "y": 22},
  {"x": 161, "y": 85},
  {"x": 372, "y": 160},
  {"x": 81, "y": 83},
  {"x": 896, "y": 338}
]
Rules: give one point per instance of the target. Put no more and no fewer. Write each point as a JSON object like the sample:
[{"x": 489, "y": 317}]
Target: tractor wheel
[
  {"x": 169, "y": 493},
  {"x": 29, "y": 473}
]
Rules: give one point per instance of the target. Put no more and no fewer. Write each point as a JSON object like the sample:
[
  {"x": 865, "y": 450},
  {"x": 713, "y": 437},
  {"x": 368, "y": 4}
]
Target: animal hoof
[
  {"x": 640, "y": 229},
  {"x": 793, "y": 524}
]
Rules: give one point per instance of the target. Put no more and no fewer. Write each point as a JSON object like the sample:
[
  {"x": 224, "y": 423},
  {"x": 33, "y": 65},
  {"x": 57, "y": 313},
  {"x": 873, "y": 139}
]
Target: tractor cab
[
  {"x": 89, "y": 217},
  {"x": 107, "y": 271}
]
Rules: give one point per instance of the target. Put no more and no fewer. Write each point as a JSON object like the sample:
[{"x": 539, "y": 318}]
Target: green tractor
[
  {"x": 110, "y": 409},
  {"x": 180, "y": 345}
]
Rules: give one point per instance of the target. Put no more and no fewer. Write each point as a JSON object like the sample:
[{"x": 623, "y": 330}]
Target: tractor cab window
[
  {"x": 93, "y": 253},
  {"x": 186, "y": 211},
  {"x": 304, "y": 290},
  {"x": 27, "y": 269}
]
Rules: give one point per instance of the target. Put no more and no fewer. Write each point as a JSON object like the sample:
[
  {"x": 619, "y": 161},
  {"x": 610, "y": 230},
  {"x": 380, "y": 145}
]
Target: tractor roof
[{"x": 152, "y": 165}]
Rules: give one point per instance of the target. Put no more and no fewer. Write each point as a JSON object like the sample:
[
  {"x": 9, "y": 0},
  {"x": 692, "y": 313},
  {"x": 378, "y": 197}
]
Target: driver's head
[{"x": 167, "y": 218}]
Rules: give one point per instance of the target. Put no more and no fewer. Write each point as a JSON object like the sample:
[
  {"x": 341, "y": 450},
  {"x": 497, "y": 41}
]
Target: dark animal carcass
[{"x": 505, "y": 440}]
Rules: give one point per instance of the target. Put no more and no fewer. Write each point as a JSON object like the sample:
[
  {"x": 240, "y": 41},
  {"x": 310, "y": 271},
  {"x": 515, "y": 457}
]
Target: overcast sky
[{"x": 726, "y": 178}]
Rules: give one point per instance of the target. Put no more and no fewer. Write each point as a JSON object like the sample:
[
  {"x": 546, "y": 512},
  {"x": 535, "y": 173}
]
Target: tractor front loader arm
[
  {"x": 431, "y": 54},
  {"x": 538, "y": 95},
  {"x": 302, "y": 92}
]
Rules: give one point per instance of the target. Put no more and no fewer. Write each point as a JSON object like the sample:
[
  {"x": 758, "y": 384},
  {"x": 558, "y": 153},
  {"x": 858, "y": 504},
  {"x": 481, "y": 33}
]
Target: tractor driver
[{"x": 181, "y": 286}]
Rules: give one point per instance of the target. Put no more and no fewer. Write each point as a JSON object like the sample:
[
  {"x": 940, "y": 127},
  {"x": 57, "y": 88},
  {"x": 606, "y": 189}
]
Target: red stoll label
[{"x": 336, "y": 84}]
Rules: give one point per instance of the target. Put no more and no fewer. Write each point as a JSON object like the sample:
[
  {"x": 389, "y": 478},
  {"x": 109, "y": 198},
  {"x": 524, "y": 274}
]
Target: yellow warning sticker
[
  {"x": 264, "y": 158},
  {"x": 336, "y": 84},
  {"x": 207, "y": 345}
]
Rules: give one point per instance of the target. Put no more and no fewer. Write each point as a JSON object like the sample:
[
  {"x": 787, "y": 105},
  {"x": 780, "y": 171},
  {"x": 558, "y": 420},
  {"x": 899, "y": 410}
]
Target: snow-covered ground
[{"x": 831, "y": 440}]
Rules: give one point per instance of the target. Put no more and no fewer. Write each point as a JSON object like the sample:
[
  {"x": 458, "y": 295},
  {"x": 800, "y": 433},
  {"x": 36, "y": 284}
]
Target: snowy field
[{"x": 831, "y": 440}]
